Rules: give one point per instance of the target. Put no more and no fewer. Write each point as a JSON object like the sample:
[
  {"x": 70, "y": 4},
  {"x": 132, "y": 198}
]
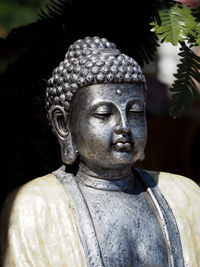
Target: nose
[{"x": 122, "y": 126}]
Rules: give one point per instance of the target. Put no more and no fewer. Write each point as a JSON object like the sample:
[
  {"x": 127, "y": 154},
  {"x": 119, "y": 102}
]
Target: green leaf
[
  {"x": 176, "y": 23},
  {"x": 179, "y": 104},
  {"x": 184, "y": 89},
  {"x": 196, "y": 34}
]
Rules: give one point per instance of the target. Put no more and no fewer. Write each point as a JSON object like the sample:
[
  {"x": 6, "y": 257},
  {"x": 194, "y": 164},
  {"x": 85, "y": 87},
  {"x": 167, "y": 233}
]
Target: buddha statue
[{"x": 106, "y": 212}]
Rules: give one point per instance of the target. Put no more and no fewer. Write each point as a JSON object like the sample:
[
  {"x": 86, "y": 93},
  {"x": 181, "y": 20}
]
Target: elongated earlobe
[
  {"x": 58, "y": 118},
  {"x": 68, "y": 151}
]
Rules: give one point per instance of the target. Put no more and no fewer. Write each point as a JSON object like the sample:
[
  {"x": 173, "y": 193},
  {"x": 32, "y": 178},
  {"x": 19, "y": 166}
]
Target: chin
[
  {"x": 113, "y": 159},
  {"x": 125, "y": 157},
  {"x": 120, "y": 160}
]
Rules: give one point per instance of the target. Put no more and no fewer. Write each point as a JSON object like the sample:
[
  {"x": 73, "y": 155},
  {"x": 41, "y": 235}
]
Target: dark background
[{"x": 29, "y": 54}]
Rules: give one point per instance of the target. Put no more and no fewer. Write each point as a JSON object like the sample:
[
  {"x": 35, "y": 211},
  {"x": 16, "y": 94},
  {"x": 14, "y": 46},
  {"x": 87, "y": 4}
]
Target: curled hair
[{"x": 90, "y": 61}]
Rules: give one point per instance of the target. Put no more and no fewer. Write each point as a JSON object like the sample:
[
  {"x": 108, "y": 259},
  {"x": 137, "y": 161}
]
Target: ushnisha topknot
[{"x": 92, "y": 60}]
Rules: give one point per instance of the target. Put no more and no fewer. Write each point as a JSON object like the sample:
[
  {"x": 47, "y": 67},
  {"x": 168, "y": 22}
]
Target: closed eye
[
  {"x": 102, "y": 111},
  {"x": 102, "y": 115},
  {"x": 135, "y": 111}
]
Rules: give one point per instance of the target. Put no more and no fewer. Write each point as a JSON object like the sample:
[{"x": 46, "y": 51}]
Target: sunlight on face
[{"x": 108, "y": 124}]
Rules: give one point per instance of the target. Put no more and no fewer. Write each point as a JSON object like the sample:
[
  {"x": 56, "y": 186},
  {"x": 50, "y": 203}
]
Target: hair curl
[{"x": 90, "y": 61}]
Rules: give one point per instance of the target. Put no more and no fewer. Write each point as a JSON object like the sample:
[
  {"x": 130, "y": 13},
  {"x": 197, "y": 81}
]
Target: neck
[{"x": 104, "y": 174}]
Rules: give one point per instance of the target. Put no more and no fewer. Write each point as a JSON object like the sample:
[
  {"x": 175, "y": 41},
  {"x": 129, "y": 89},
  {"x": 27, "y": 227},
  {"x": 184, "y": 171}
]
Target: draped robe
[{"x": 39, "y": 226}]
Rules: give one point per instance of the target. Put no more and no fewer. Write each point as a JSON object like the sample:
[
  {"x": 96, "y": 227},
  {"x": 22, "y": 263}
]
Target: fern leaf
[
  {"x": 176, "y": 23},
  {"x": 55, "y": 9},
  {"x": 196, "y": 34},
  {"x": 184, "y": 89}
]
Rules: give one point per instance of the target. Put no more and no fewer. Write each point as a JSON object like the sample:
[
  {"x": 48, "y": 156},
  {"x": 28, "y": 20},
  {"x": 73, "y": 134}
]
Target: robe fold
[{"x": 39, "y": 229}]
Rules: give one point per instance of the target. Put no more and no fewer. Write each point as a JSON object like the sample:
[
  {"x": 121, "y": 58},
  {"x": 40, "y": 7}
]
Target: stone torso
[{"x": 126, "y": 223}]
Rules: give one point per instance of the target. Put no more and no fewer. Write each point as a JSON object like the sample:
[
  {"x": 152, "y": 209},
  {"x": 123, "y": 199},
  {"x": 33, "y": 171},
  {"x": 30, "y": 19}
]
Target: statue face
[{"x": 108, "y": 125}]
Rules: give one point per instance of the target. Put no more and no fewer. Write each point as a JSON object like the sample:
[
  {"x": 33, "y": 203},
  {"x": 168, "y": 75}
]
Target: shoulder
[
  {"x": 34, "y": 209},
  {"x": 37, "y": 220},
  {"x": 179, "y": 191},
  {"x": 39, "y": 197},
  {"x": 36, "y": 190},
  {"x": 177, "y": 186}
]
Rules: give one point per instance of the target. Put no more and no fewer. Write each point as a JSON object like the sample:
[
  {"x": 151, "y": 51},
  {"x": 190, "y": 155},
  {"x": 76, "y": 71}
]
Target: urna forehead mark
[{"x": 118, "y": 92}]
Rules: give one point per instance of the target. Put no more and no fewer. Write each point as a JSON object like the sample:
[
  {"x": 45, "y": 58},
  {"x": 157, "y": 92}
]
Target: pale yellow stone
[
  {"x": 42, "y": 231},
  {"x": 183, "y": 196}
]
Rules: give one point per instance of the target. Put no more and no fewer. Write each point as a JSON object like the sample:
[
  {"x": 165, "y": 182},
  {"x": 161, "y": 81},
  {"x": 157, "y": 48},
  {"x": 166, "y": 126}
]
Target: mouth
[{"x": 122, "y": 145}]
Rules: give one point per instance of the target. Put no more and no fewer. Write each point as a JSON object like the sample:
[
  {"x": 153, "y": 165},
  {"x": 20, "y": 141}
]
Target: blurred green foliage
[
  {"x": 14, "y": 13},
  {"x": 180, "y": 25}
]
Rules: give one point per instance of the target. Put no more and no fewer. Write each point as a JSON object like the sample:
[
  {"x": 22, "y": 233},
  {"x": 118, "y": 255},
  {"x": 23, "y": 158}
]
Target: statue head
[{"x": 95, "y": 101}]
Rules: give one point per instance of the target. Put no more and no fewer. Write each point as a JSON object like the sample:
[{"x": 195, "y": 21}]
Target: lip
[{"x": 122, "y": 144}]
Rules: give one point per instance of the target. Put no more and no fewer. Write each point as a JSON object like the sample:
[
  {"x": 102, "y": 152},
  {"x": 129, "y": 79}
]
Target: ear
[{"x": 58, "y": 119}]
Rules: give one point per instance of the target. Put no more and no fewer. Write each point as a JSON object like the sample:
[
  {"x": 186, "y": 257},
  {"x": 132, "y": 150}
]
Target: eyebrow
[
  {"x": 100, "y": 103},
  {"x": 105, "y": 102}
]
